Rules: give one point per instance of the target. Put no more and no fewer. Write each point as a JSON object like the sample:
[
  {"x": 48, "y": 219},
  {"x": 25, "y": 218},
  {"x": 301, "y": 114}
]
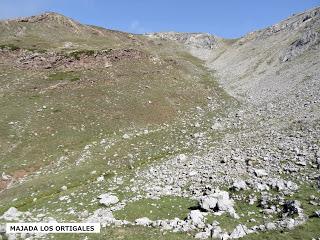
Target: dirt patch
[
  {"x": 81, "y": 59},
  {"x": 19, "y": 174},
  {"x": 3, "y": 184}
]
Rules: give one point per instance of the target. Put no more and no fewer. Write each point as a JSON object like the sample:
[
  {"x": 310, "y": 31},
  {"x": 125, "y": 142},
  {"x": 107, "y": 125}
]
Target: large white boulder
[
  {"x": 12, "y": 214},
  {"x": 239, "y": 232},
  {"x": 197, "y": 217},
  {"x": 108, "y": 199}
]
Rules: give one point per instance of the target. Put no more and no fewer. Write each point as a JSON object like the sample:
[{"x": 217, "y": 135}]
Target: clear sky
[{"x": 226, "y": 18}]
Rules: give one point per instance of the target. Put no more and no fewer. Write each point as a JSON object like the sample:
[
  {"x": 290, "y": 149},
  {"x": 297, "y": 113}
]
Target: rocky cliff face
[{"x": 198, "y": 40}]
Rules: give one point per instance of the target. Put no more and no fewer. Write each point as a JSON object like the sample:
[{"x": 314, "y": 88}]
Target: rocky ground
[{"x": 245, "y": 166}]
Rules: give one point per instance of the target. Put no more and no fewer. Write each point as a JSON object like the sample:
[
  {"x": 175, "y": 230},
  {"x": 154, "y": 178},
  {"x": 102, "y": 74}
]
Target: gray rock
[
  {"x": 102, "y": 216},
  {"x": 143, "y": 221},
  {"x": 12, "y": 214},
  {"x": 197, "y": 217},
  {"x": 208, "y": 203},
  {"x": 239, "y": 232},
  {"x": 271, "y": 226},
  {"x": 203, "y": 235},
  {"x": 218, "y": 201},
  {"x": 260, "y": 172},
  {"x": 239, "y": 185},
  {"x": 108, "y": 199},
  {"x": 288, "y": 223},
  {"x": 317, "y": 213},
  {"x": 292, "y": 207}
]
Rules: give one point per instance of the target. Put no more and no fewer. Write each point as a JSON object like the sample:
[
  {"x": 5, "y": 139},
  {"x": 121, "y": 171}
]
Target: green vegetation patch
[
  {"x": 127, "y": 233},
  {"x": 77, "y": 54},
  {"x": 69, "y": 76},
  {"x": 9, "y": 46},
  {"x": 163, "y": 208}
]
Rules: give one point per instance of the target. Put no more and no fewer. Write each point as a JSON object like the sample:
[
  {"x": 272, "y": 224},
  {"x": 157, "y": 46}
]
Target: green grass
[
  {"x": 9, "y": 46},
  {"x": 77, "y": 54},
  {"x": 164, "y": 208},
  {"x": 67, "y": 76},
  {"x": 309, "y": 230},
  {"x": 127, "y": 233}
]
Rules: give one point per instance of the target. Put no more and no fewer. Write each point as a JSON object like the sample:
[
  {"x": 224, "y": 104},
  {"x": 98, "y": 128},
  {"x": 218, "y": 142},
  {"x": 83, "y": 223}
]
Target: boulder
[
  {"x": 202, "y": 235},
  {"x": 239, "y": 185},
  {"x": 208, "y": 203},
  {"x": 218, "y": 201},
  {"x": 144, "y": 221},
  {"x": 292, "y": 207},
  {"x": 108, "y": 199},
  {"x": 271, "y": 226},
  {"x": 317, "y": 213},
  {"x": 239, "y": 232},
  {"x": 260, "y": 172},
  {"x": 12, "y": 214},
  {"x": 197, "y": 217}
]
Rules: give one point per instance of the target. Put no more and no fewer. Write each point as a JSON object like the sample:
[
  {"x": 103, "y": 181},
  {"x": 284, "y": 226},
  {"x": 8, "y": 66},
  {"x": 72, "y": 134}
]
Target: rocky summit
[{"x": 161, "y": 135}]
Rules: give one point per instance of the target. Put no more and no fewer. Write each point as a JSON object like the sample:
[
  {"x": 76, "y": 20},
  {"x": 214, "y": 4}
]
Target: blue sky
[{"x": 227, "y": 18}]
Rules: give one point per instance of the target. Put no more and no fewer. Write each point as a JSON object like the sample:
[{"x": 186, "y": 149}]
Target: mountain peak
[{"x": 46, "y": 16}]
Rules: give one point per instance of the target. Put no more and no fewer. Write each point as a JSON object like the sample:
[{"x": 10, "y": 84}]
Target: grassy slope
[{"x": 42, "y": 123}]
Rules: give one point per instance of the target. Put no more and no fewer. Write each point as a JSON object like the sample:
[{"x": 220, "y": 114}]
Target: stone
[
  {"x": 271, "y": 226},
  {"x": 108, "y": 199},
  {"x": 239, "y": 232},
  {"x": 233, "y": 213},
  {"x": 197, "y": 217},
  {"x": 12, "y": 214},
  {"x": 100, "y": 179},
  {"x": 202, "y": 235},
  {"x": 218, "y": 201},
  {"x": 125, "y": 136},
  {"x": 182, "y": 157},
  {"x": 239, "y": 185},
  {"x": 208, "y": 203},
  {"x": 292, "y": 207},
  {"x": 317, "y": 213},
  {"x": 260, "y": 172},
  {"x": 216, "y": 232},
  {"x": 102, "y": 216},
  {"x": 288, "y": 223},
  {"x": 224, "y": 202},
  {"x": 144, "y": 221}
]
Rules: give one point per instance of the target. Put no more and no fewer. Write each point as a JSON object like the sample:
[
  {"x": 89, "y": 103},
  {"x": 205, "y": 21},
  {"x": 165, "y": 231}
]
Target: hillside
[{"x": 162, "y": 135}]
